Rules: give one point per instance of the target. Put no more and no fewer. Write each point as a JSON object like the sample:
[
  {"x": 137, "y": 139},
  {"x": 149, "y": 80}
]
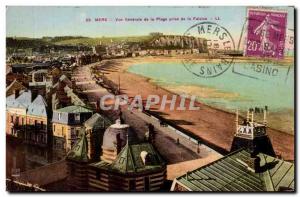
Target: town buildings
[
  {"x": 95, "y": 127},
  {"x": 240, "y": 171},
  {"x": 252, "y": 135},
  {"x": 67, "y": 124},
  {"x": 134, "y": 166},
  {"x": 13, "y": 87},
  {"x": 105, "y": 157},
  {"x": 27, "y": 117},
  {"x": 251, "y": 166}
]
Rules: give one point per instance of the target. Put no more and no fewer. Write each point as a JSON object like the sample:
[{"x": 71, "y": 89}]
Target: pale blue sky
[{"x": 37, "y": 21}]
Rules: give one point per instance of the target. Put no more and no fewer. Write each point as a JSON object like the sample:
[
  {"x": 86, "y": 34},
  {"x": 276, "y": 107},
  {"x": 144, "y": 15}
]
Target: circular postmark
[{"x": 217, "y": 42}]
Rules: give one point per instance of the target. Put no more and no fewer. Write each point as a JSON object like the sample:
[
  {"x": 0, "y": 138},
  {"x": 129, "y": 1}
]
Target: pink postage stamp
[{"x": 266, "y": 33}]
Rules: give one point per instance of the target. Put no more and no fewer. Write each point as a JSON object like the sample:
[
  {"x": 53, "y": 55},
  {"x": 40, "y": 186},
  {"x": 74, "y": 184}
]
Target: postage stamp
[
  {"x": 266, "y": 33},
  {"x": 219, "y": 44},
  {"x": 268, "y": 38}
]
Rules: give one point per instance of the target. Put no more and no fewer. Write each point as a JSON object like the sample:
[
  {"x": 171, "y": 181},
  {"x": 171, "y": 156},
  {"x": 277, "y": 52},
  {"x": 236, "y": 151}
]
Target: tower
[
  {"x": 77, "y": 160},
  {"x": 252, "y": 134}
]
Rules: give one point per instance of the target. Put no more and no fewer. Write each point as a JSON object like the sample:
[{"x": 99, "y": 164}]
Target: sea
[{"x": 241, "y": 86}]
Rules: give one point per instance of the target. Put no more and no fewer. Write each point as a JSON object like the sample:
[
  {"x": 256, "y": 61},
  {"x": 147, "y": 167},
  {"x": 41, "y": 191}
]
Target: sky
[{"x": 38, "y": 21}]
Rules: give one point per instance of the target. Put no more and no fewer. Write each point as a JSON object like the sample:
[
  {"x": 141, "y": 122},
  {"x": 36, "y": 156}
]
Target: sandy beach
[{"x": 209, "y": 124}]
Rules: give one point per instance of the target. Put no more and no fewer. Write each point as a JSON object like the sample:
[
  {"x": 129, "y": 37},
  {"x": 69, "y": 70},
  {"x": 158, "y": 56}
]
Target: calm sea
[{"x": 251, "y": 84}]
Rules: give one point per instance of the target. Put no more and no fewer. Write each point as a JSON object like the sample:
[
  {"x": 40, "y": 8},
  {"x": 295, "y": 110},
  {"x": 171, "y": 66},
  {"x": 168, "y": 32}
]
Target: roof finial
[{"x": 265, "y": 115}]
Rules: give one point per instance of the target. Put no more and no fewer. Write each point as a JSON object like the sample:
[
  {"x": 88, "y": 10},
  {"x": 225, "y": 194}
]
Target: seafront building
[
  {"x": 15, "y": 86},
  {"x": 27, "y": 117},
  {"x": 45, "y": 108},
  {"x": 136, "y": 167},
  {"x": 251, "y": 166},
  {"x": 252, "y": 135},
  {"x": 67, "y": 124},
  {"x": 240, "y": 171},
  {"x": 95, "y": 127},
  {"x": 114, "y": 139}
]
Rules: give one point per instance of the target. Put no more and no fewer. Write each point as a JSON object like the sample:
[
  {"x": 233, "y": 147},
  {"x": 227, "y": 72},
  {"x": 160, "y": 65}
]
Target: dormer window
[
  {"x": 77, "y": 117},
  {"x": 145, "y": 156}
]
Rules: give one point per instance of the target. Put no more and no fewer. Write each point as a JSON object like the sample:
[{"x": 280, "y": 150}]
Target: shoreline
[
  {"x": 272, "y": 117},
  {"x": 217, "y": 126}
]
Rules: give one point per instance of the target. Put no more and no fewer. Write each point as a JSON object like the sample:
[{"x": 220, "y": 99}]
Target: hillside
[
  {"x": 148, "y": 41},
  {"x": 102, "y": 40}
]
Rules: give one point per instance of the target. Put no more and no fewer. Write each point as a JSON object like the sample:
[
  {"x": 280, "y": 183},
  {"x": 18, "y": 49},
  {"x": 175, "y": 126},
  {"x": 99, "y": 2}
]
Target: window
[
  {"x": 35, "y": 123},
  {"x": 22, "y": 121},
  {"x": 17, "y": 120},
  {"x": 77, "y": 117},
  {"x": 59, "y": 116},
  {"x": 71, "y": 118},
  {"x": 53, "y": 128},
  {"x": 42, "y": 125}
]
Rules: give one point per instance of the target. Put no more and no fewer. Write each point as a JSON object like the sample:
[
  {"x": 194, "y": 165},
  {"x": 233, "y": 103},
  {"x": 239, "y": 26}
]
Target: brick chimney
[
  {"x": 17, "y": 93},
  {"x": 34, "y": 94},
  {"x": 253, "y": 163}
]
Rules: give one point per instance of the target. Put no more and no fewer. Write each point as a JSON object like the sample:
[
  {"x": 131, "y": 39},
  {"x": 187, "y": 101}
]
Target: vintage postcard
[{"x": 150, "y": 99}]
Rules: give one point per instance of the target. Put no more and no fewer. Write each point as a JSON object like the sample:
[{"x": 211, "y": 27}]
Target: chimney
[
  {"x": 237, "y": 120},
  {"x": 98, "y": 106},
  {"x": 73, "y": 83},
  {"x": 149, "y": 135},
  {"x": 34, "y": 94},
  {"x": 254, "y": 163},
  {"x": 187, "y": 175},
  {"x": 247, "y": 115},
  {"x": 265, "y": 115},
  {"x": 118, "y": 121},
  {"x": 17, "y": 93}
]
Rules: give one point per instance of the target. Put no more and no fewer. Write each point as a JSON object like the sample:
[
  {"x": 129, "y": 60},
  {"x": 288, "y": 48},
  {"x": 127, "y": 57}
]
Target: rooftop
[
  {"x": 74, "y": 109},
  {"x": 38, "y": 107},
  {"x": 231, "y": 174},
  {"x": 129, "y": 160},
  {"x": 96, "y": 120},
  {"x": 79, "y": 152}
]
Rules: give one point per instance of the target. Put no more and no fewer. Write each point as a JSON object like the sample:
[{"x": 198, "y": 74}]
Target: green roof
[
  {"x": 97, "y": 121},
  {"x": 79, "y": 152},
  {"x": 129, "y": 160},
  {"x": 74, "y": 109},
  {"x": 231, "y": 174}
]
